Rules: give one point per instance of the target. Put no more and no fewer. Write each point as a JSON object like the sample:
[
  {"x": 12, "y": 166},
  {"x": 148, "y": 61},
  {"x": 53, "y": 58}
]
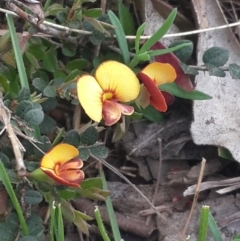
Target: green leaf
[
  {"x": 23, "y": 107},
  {"x": 68, "y": 52},
  {"x": 18, "y": 55},
  {"x": 234, "y": 71},
  {"x": 72, "y": 137},
  {"x": 225, "y": 153},
  {"x": 67, "y": 194},
  {"x": 35, "y": 226},
  {"x": 154, "y": 53},
  {"x": 24, "y": 94},
  {"x": 67, "y": 210},
  {"x": 150, "y": 113},
  {"x": 126, "y": 19},
  {"x": 82, "y": 215},
  {"x": 84, "y": 154},
  {"x": 138, "y": 36},
  {"x": 6, "y": 182},
  {"x": 216, "y": 56},
  {"x": 39, "y": 84},
  {"x": 91, "y": 182},
  {"x": 49, "y": 104},
  {"x": 99, "y": 151},
  {"x": 48, "y": 125},
  {"x": 33, "y": 197},
  {"x": 54, "y": 9},
  {"x": 76, "y": 64},
  {"x": 122, "y": 42},
  {"x": 143, "y": 56},
  {"x": 175, "y": 90},
  {"x": 188, "y": 70},
  {"x": 184, "y": 53},
  {"x": 214, "y": 228},
  {"x": 34, "y": 117},
  {"x": 50, "y": 91},
  {"x": 160, "y": 32},
  {"x": 93, "y": 12},
  {"x": 50, "y": 62},
  {"x": 4, "y": 83},
  {"x": 89, "y": 136},
  {"x": 81, "y": 224},
  {"x": 214, "y": 71},
  {"x": 37, "y": 51},
  {"x": 97, "y": 37}
]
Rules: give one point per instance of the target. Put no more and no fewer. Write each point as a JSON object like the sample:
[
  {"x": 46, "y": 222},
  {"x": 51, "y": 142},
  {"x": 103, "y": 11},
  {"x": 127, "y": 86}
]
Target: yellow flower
[
  {"x": 62, "y": 164},
  {"x": 100, "y": 94}
]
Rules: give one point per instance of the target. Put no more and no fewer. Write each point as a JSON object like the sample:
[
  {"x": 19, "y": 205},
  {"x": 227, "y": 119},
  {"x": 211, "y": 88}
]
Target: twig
[
  {"x": 194, "y": 200},
  {"x": 5, "y": 117},
  {"x": 42, "y": 27},
  {"x": 158, "y": 178},
  {"x": 204, "y": 68}
]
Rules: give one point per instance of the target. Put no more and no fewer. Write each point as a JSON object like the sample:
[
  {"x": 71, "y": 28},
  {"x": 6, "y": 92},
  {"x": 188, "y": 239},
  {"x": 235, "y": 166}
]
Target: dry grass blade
[{"x": 182, "y": 237}]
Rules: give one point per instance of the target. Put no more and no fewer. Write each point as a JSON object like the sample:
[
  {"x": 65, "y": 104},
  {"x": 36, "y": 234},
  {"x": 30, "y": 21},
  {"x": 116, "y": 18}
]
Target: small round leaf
[
  {"x": 89, "y": 136},
  {"x": 234, "y": 71},
  {"x": 84, "y": 154},
  {"x": 39, "y": 84},
  {"x": 216, "y": 56},
  {"x": 72, "y": 137},
  {"x": 49, "y": 91},
  {"x": 24, "y": 94},
  {"x": 23, "y": 108},
  {"x": 48, "y": 125},
  {"x": 34, "y": 117},
  {"x": 99, "y": 151},
  {"x": 33, "y": 197},
  {"x": 184, "y": 53}
]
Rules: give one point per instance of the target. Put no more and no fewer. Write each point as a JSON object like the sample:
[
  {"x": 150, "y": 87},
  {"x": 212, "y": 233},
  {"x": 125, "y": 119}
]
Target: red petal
[
  {"x": 182, "y": 79},
  {"x": 156, "y": 98},
  {"x": 168, "y": 97},
  {"x": 111, "y": 112},
  {"x": 125, "y": 109}
]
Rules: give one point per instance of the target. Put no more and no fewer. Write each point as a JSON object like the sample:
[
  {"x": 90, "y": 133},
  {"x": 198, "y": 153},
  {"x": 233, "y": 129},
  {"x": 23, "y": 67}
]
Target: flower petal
[
  {"x": 111, "y": 112},
  {"x": 125, "y": 109},
  {"x": 156, "y": 98},
  {"x": 72, "y": 178},
  {"x": 160, "y": 73},
  {"x": 76, "y": 163},
  {"x": 168, "y": 97},
  {"x": 143, "y": 99},
  {"x": 61, "y": 154},
  {"x": 90, "y": 96},
  {"x": 118, "y": 79}
]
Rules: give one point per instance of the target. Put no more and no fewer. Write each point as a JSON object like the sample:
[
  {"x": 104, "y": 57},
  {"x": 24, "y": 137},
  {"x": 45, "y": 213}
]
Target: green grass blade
[
  {"x": 52, "y": 220},
  {"x": 160, "y": 32},
  {"x": 154, "y": 53},
  {"x": 18, "y": 55},
  {"x": 111, "y": 214},
  {"x": 60, "y": 226},
  {"x": 6, "y": 182},
  {"x": 122, "y": 42},
  {"x": 138, "y": 36},
  {"x": 203, "y": 226},
  {"x": 100, "y": 224},
  {"x": 214, "y": 228}
]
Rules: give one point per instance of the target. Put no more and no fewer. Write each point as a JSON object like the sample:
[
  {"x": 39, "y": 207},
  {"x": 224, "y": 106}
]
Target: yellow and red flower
[
  {"x": 63, "y": 165},
  {"x": 152, "y": 76},
  {"x": 100, "y": 94}
]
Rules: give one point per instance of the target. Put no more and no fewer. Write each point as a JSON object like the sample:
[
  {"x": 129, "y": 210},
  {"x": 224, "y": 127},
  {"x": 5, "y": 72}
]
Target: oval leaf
[
  {"x": 175, "y": 90},
  {"x": 34, "y": 117},
  {"x": 33, "y": 197},
  {"x": 216, "y": 56}
]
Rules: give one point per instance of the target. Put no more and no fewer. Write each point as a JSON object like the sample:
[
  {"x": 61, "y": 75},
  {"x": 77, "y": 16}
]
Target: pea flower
[
  {"x": 62, "y": 164},
  {"x": 153, "y": 75},
  {"x": 100, "y": 95}
]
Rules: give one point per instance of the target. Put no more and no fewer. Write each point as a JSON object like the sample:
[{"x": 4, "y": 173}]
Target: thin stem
[{"x": 203, "y": 226}]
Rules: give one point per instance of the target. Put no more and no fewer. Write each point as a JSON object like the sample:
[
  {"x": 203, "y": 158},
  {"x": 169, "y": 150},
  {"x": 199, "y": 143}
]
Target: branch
[{"x": 5, "y": 118}]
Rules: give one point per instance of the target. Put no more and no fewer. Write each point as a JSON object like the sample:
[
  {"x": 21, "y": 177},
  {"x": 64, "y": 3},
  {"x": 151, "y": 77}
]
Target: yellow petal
[
  {"x": 59, "y": 154},
  {"x": 143, "y": 99},
  {"x": 90, "y": 96},
  {"x": 160, "y": 73},
  {"x": 118, "y": 79}
]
